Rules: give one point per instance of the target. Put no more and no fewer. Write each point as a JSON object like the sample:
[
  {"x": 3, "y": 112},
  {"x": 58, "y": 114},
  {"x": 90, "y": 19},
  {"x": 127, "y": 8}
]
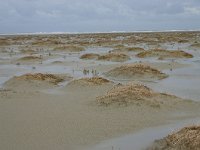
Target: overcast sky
[{"x": 98, "y": 15}]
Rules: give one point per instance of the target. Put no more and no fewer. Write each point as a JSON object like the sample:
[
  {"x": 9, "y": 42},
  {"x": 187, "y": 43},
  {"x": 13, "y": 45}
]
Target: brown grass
[
  {"x": 51, "y": 78},
  {"x": 119, "y": 46},
  {"x": 70, "y": 48},
  {"x": 26, "y": 58},
  {"x": 4, "y": 42},
  {"x": 57, "y": 62},
  {"x": 100, "y": 39},
  {"x": 90, "y": 81},
  {"x": 164, "y": 54},
  {"x": 128, "y": 49},
  {"x": 28, "y": 51},
  {"x": 183, "y": 41},
  {"x": 187, "y": 138},
  {"x": 135, "y": 49},
  {"x": 130, "y": 71},
  {"x": 131, "y": 94},
  {"x": 196, "y": 45},
  {"x": 117, "y": 57},
  {"x": 89, "y": 56}
]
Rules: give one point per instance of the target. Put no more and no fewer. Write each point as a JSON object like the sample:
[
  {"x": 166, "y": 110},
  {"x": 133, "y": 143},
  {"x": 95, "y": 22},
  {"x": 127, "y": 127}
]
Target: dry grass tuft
[
  {"x": 128, "y": 49},
  {"x": 89, "y": 56},
  {"x": 70, "y": 48},
  {"x": 136, "y": 94},
  {"x": 89, "y": 81},
  {"x": 164, "y": 54},
  {"x": 135, "y": 49},
  {"x": 187, "y": 138},
  {"x": 51, "y": 78},
  {"x": 27, "y": 58},
  {"x": 119, "y": 46},
  {"x": 28, "y": 51},
  {"x": 130, "y": 71},
  {"x": 197, "y": 45},
  {"x": 116, "y": 57},
  {"x": 124, "y": 94},
  {"x": 5, "y": 42}
]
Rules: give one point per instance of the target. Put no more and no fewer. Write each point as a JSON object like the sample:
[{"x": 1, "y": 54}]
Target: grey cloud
[{"x": 97, "y": 15}]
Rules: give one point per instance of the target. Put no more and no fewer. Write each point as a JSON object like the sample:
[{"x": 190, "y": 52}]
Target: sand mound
[
  {"x": 38, "y": 80},
  {"x": 41, "y": 77},
  {"x": 89, "y": 56},
  {"x": 128, "y": 49},
  {"x": 30, "y": 58},
  {"x": 70, "y": 48},
  {"x": 57, "y": 62},
  {"x": 4, "y": 42},
  {"x": 164, "y": 54},
  {"x": 116, "y": 57},
  {"x": 133, "y": 94},
  {"x": 183, "y": 41},
  {"x": 197, "y": 45},
  {"x": 28, "y": 51},
  {"x": 135, "y": 71},
  {"x": 119, "y": 46},
  {"x": 187, "y": 138},
  {"x": 94, "y": 81}
]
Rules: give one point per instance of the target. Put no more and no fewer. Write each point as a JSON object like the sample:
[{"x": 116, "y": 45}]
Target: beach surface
[{"x": 83, "y": 91}]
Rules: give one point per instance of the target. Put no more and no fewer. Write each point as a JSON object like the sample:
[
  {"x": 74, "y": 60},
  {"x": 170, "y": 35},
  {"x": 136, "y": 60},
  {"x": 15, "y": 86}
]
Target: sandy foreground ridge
[{"x": 75, "y": 91}]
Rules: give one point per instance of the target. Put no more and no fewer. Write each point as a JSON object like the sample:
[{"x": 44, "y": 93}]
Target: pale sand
[{"x": 73, "y": 120}]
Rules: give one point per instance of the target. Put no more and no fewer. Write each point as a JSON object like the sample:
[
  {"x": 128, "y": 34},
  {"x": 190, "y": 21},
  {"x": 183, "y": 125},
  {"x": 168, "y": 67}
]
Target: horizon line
[{"x": 97, "y": 32}]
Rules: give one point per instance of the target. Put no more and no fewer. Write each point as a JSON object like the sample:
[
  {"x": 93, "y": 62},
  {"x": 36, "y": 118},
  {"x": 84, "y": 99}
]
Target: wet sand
[{"x": 39, "y": 115}]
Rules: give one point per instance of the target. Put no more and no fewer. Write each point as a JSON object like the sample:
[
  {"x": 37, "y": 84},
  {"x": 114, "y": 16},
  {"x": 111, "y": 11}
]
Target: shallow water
[
  {"x": 74, "y": 69},
  {"x": 144, "y": 138},
  {"x": 183, "y": 82}
]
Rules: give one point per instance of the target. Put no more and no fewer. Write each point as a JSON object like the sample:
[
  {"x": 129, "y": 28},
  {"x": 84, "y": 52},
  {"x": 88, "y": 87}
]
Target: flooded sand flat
[{"x": 68, "y": 116}]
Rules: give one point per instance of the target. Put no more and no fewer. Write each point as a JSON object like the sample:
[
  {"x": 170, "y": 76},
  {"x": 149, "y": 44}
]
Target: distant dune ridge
[{"x": 161, "y": 53}]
